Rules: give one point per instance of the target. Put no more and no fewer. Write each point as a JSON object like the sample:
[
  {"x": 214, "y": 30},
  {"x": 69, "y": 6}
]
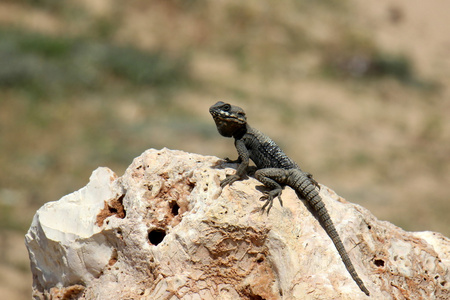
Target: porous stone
[{"x": 166, "y": 230}]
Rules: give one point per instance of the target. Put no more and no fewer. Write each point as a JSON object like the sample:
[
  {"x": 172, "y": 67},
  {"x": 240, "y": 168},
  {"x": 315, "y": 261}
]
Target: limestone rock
[{"x": 166, "y": 230}]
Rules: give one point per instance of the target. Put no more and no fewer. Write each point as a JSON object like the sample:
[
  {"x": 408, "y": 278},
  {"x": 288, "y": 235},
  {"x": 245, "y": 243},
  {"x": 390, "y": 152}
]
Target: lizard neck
[
  {"x": 231, "y": 129},
  {"x": 238, "y": 134}
]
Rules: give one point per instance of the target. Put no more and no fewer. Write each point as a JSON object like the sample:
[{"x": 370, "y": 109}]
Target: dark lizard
[{"x": 275, "y": 170}]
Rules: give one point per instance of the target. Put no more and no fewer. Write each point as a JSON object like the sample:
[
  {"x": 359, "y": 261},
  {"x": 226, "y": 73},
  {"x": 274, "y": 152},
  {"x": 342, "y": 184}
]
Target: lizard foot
[
  {"x": 313, "y": 181},
  {"x": 231, "y": 161},
  {"x": 229, "y": 180},
  {"x": 226, "y": 160},
  {"x": 268, "y": 197}
]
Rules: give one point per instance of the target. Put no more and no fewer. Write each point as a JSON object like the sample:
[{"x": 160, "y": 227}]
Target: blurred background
[{"x": 356, "y": 92}]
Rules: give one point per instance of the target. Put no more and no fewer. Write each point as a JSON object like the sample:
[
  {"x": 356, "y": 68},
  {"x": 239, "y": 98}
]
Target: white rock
[
  {"x": 64, "y": 244},
  {"x": 166, "y": 230}
]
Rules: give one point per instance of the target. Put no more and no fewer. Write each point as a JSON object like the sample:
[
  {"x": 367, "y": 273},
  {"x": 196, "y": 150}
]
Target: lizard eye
[{"x": 226, "y": 107}]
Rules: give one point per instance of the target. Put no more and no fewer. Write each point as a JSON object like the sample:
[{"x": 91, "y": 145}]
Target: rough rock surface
[{"x": 166, "y": 230}]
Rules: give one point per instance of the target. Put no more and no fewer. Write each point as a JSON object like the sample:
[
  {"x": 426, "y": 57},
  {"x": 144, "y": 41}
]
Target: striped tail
[{"x": 302, "y": 183}]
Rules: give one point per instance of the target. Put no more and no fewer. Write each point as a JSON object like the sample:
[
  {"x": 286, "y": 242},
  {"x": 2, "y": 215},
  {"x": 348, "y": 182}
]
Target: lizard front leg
[
  {"x": 242, "y": 168},
  {"x": 271, "y": 178}
]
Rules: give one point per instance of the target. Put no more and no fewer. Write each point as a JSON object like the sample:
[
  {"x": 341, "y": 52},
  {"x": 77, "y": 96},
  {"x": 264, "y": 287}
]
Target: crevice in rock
[
  {"x": 72, "y": 292},
  {"x": 174, "y": 207},
  {"x": 114, "y": 207},
  {"x": 114, "y": 257},
  {"x": 248, "y": 293}
]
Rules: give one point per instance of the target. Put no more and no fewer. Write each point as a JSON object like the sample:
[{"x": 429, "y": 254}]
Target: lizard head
[{"x": 230, "y": 120}]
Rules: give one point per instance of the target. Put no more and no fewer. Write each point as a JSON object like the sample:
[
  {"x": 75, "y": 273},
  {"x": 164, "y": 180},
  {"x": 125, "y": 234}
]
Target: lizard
[{"x": 275, "y": 170}]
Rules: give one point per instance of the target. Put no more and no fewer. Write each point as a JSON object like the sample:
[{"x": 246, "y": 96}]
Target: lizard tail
[{"x": 306, "y": 189}]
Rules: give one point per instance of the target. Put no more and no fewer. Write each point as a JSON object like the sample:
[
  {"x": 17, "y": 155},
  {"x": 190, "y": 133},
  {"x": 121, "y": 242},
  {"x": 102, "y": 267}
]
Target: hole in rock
[
  {"x": 174, "y": 207},
  {"x": 156, "y": 236},
  {"x": 379, "y": 262}
]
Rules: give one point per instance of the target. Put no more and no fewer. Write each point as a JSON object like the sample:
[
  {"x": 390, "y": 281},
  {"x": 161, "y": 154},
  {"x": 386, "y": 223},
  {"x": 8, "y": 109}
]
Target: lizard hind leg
[{"x": 270, "y": 177}]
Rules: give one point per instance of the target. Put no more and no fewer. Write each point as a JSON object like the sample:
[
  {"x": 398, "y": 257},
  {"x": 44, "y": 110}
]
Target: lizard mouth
[{"x": 226, "y": 116}]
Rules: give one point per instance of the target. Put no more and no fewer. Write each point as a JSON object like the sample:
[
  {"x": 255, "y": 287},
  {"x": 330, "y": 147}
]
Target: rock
[{"x": 166, "y": 230}]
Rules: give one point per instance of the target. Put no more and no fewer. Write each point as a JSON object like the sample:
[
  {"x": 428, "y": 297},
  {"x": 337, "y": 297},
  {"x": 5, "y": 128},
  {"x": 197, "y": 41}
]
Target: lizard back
[{"x": 264, "y": 152}]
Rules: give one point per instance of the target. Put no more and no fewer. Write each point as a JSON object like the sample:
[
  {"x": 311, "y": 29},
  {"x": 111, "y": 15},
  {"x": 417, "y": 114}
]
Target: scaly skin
[{"x": 275, "y": 170}]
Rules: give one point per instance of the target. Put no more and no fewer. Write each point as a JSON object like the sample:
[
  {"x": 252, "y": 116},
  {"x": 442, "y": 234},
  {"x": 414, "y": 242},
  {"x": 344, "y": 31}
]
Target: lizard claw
[
  {"x": 313, "y": 181},
  {"x": 231, "y": 161},
  {"x": 268, "y": 197},
  {"x": 229, "y": 180}
]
